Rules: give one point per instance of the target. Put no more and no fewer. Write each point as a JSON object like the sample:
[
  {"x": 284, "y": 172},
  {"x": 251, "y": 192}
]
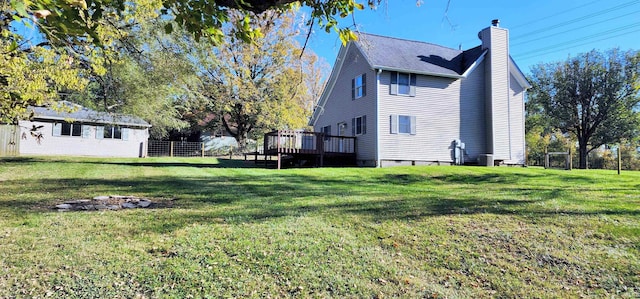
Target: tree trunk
[{"x": 583, "y": 152}]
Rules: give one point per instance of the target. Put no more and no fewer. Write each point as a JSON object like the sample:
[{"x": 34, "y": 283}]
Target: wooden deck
[{"x": 310, "y": 148}]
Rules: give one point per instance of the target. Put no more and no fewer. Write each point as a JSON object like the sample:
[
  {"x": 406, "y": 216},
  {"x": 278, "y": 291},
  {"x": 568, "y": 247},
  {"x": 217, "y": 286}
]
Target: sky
[{"x": 540, "y": 31}]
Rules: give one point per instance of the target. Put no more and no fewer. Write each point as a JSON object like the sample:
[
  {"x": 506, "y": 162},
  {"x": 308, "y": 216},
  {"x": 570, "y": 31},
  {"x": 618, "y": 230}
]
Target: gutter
[
  {"x": 91, "y": 121},
  {"x": 469, "y": 70}
]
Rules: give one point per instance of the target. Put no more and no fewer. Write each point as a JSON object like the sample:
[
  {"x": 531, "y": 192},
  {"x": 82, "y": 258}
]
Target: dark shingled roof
[
  {"x": 416, "y": 57},
  {"x": 82, "y": 114}
]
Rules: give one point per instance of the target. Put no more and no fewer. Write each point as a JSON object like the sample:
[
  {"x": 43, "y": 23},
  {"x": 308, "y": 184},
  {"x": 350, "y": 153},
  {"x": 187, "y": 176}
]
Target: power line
[
  {"x": 595, "y": 14},
  {"x": 554, "y": 15},
  {"x": 592, "y": 36},
  {"x": 529, "y": 55},
  {"x": 570, "y": 30}
]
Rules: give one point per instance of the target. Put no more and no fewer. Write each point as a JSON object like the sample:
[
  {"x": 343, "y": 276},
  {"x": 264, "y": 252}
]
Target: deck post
[
  {"x": 320, "y": 148},
  {"x": 279, "y": 156},
  {"x": 278, "y": 148},
  {"x": 265, "y": 145}
]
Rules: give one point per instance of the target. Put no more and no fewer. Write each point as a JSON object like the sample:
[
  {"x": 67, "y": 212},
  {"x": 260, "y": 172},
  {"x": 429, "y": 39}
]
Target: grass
[{"x": 435, "y": 232}]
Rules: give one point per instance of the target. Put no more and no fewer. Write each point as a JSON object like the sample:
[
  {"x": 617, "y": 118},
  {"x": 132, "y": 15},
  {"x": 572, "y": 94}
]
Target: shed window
[
  {"x": 112, "y": 132},
  {"x": 67, "y": 129}
]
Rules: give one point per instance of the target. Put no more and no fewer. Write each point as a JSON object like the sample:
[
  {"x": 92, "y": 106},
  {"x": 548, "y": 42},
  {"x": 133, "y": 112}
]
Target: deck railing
[{"x": 301, "y": 142}]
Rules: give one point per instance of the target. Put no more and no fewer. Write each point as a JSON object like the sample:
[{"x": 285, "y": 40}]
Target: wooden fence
[{"x": 9, "y": 140}]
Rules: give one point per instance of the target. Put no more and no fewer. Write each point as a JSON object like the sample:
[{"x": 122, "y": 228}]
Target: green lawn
[{"x": 227, "y": 231}]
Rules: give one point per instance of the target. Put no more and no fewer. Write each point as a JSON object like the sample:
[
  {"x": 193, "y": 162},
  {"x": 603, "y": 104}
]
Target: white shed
[{"x": 83, "y": 132}]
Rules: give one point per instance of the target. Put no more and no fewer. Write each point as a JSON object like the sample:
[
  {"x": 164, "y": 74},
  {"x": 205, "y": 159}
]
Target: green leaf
[
  {"x": 20, "y": 7},
  {"x": 13, "y": 46},
  {"x": 168, "y": 28}
]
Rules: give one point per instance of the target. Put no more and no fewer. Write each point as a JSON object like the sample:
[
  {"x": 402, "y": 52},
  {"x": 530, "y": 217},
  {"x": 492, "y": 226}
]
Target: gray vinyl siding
[
  {"x": 472, "y": 114},
  {"x": 341, "y": 108},
  {"x": 497, "y": 91},
  {"x": 437, "y": 108},
  {"x": 517, "y": 122}
]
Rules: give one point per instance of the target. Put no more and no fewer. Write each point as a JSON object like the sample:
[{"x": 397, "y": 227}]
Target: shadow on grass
[
  {"x": 143, "y": 162},
  {"x": 253, "y": 198}
]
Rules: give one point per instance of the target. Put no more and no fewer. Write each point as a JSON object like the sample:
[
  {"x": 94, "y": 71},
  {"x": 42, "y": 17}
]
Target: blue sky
[{"x": 540, "y": 31}]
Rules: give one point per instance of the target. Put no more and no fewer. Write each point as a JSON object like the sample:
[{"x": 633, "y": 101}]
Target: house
[
  {"x": 416, "y": 103},
  {"x": 82, "y": 132}
]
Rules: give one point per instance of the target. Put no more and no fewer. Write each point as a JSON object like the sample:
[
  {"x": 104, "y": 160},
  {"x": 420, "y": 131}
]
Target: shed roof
[
  {"x": 390, "y": 53},
  {"x": 82, "y": 114}
]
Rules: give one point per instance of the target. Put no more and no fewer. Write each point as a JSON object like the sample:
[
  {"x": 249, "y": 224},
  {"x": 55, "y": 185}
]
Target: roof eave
[
  {"x": 475, "y": 64},
  {"x": 96, "y": 121},
  {"x": 518, "y": 74},
  {"x": 392, "y": 69},
  {"x": 333, "y": 77}
]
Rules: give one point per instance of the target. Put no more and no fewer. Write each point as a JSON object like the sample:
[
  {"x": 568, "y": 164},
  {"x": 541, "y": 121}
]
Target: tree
[
  {"x": 260, "y": 86},
  {"x": 593, "y": 97},
  {"x": 31, "y": 75},
  {"x": 203, "y": 18},
  {"x": 86, "y": 33},
  {"x": 147, "y": 74}
]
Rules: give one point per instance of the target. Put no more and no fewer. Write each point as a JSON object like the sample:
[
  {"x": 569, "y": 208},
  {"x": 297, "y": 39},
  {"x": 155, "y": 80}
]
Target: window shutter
[
  {"x": 413, "y": 125},
  {"x": 125, "y": 134},
  {"x": 353, "y": 89},
  {"x": 394, "y": 82},
  {"x": 394, "y": 124},
  {"x": 86, "y": 131},
  {"x": 412, "y": 87},
  {"x": 57, "y": 129},
  {"x": 364, "y": 85},
  {"x": 99, "y": 132},
  {"x": 353, "y": 126},
  {"x": 364, "y": 124}
]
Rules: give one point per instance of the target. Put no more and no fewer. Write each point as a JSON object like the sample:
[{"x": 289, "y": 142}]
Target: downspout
[
  {"x": 509, "y": 106},
  {"x": 378, "y": 159}
]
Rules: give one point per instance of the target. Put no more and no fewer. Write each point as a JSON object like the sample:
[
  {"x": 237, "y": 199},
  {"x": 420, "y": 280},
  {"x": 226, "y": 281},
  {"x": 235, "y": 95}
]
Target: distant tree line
[
  {"x": 589, "y": 103},
  {"x": 135, "y": 57}
]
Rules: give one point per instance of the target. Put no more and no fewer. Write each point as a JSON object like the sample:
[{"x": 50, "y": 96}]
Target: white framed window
[
  {"x": 359, "y": 125},
  {"x": 71, "y": 129},
  {"x": 112, "y": 132},
  {"x": 359, "y": 87},
  {"x": 403, "y": 84},
  {"x": 403, "y": 124}
]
